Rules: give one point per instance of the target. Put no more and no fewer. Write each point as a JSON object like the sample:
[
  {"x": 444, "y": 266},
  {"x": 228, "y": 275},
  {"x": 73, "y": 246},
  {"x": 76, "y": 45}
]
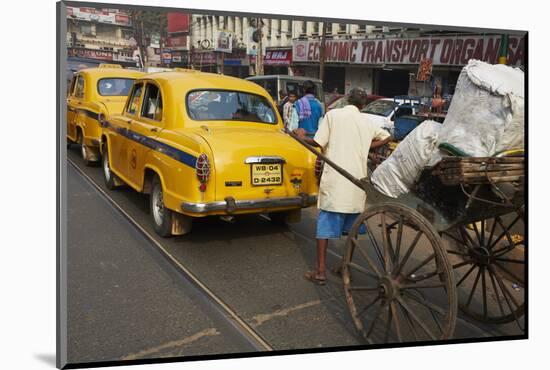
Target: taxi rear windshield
[
  {"x": 114, "y": 86},
  {"x": 211, "y": 105}
]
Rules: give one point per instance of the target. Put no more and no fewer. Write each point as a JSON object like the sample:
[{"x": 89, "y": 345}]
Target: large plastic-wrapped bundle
[
  {"x": 398, "y": 173},
  {"x": 486, "y": 115}
]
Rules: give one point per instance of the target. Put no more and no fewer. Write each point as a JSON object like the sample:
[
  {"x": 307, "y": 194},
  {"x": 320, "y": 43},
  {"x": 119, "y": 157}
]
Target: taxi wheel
[
  {"x": 162, "y": 216},
  {"x": 108, "y": 175},
  {"x": 84, "y": 150}
]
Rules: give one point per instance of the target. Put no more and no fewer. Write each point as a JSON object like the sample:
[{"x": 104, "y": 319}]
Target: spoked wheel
[
  {"x": 490, "y": 268},
  {"x": 398, "y": 282}
]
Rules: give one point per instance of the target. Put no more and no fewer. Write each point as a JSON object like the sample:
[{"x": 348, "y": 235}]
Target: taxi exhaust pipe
[{"x": 228, "y": 219}]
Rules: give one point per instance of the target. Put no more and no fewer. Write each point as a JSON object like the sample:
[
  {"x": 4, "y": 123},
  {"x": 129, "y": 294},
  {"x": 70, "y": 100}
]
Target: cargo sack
[
  {"x": 486, "y": 115},
  {"x": 399, "y": 172}
]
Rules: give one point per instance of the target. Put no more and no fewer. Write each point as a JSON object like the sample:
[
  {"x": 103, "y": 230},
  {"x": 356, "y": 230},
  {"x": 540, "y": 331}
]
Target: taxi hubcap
[
  {"x": 106, "y": 169},
  {"x": 158, "y": 206},
  {"x": 84, "y": 153}
]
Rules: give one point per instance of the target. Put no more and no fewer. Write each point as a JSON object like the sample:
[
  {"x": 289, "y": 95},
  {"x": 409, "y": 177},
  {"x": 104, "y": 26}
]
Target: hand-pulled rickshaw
[{"x": 455, "y": 241}]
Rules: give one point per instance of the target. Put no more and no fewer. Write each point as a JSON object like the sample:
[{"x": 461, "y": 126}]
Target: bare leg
[{"x": 321, "y": 257}]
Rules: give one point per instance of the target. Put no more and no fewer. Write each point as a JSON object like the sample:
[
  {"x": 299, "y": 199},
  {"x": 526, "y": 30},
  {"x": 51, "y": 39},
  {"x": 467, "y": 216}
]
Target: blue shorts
[{"x": 332, "y": 225}]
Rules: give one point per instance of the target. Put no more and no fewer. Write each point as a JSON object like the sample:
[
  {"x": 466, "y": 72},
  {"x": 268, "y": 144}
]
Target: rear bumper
[{"x": 231, "y": 205}]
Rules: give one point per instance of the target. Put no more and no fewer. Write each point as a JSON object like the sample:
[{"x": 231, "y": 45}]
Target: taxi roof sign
[
  {"x": 177, "y": 69},
  {"x": 109, "y": 65}
]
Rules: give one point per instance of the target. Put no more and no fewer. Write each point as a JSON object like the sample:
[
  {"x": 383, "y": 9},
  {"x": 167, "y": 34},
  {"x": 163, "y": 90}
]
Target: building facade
[{"x": 99, "y": 35}]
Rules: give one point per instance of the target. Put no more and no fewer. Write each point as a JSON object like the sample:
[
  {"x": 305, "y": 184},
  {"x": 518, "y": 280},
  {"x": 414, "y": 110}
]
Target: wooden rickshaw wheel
[
  {"x": 398, "y": 282},
  {"x": 490, "y": 268}
]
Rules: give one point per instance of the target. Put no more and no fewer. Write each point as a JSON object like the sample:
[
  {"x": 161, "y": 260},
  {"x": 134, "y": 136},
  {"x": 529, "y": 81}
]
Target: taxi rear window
[
  {"x": 114, "y": 86},
  {"x": 226, "y": 105}
]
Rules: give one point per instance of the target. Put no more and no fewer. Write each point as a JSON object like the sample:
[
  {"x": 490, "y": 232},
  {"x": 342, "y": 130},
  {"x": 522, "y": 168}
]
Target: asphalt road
[{"x": 127, "y": 302}]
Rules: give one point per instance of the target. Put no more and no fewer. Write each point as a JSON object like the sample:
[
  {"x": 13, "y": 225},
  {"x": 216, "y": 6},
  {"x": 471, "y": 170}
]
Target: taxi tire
[
  {"x": 165, "y": 228},
  {"x": 110, "y": 182},
  {"x": 83, "y": 150}
]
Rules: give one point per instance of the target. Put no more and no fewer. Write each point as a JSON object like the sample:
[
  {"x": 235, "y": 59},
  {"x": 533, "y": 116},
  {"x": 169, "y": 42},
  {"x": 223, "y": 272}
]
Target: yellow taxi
[
  {"x": 203, "y": 144},
  {"x": 94, "y": 92}
]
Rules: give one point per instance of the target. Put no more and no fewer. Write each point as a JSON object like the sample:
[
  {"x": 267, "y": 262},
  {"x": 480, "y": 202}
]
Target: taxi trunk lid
[
  {"x": 241, "y": 154},
  {"x": 114, "y": 104}
]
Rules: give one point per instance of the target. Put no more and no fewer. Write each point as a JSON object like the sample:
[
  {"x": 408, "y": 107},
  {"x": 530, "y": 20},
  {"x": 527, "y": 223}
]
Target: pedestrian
[
  {"x": 289, "y": 110},
  {"x": 309, "y": 109},
  {"x": 283, "y": 98},
  {"x": 345, "y": 135}
]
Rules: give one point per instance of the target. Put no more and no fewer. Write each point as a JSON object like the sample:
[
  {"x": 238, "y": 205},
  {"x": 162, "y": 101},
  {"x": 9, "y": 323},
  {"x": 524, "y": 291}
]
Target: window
[
  {"x": 134, "y": 100},
  {"x": 70, "y": 88},
  {"x": 315, "y": 28},
  {"x": 114, "y": 86},
  {"x": 211, "y": 105},
  {"x": 342, "y": 28},
  {"x": 152, "y": 103},
  {"x": 86, "y": 29},
  {"x": 380, "y": 107},
  {"x": 79, "y": 89}
]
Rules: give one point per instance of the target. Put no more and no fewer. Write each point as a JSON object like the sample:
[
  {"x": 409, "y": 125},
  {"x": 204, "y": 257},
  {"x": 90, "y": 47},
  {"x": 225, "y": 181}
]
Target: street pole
[
  {"x": 223, "y": 62},
  {"x": 322, "y": 54},
  {"x": 259, "y": 57},
  {"x": 160, "y": 40}
]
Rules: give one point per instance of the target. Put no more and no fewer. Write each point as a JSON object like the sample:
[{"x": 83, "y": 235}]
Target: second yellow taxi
[
  {"x": 203, "y": 144},
  {"x": 94, "y": 93}
]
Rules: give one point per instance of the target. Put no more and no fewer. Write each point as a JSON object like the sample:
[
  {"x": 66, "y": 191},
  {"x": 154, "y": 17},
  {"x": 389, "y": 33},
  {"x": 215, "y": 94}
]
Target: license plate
[{"x": 267, "y": 174}]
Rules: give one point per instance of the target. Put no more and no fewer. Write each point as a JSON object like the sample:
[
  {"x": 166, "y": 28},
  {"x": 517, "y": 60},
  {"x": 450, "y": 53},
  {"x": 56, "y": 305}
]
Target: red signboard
[
  {"x": 122, "y": 18},
  {"x": 278, "y": 57},
  {"x": 176, "y": 41},
  {"x": 443, "y": 50},
  {"x": 178, "y": 22},
  {"x": 90, "y": 54}
]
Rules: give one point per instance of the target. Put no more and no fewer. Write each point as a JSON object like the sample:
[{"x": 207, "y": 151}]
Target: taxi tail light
[
  {"x": 202, "y": 169},
  {"x": 319, "y": 167}
]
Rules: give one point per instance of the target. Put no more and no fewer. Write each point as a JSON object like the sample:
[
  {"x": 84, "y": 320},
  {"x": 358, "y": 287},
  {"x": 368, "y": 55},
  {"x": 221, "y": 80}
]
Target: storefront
[
  {"x": 235, "y": 64},
  {"x": 388, "y": 66}
]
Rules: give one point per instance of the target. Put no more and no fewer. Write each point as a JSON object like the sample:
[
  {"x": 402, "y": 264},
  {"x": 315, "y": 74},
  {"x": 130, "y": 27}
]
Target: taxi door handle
[
  {"x": 79, "y": 102},
  {"x": 154, "y": 129},
  {"x": 129, "y": 121}
]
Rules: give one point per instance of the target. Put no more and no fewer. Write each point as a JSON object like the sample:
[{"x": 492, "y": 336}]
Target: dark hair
[
  {"x": 309, "y": 87},
  {"x": 292, "y": 93},
  {"x": 358, "y": 97}
]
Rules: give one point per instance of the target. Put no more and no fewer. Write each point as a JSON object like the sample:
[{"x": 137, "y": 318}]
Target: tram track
[{"x": 249, "y": 334}]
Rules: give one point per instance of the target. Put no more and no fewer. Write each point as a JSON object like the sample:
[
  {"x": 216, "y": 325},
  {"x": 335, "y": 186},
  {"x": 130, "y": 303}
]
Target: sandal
[{"x": 312, "y": 277}]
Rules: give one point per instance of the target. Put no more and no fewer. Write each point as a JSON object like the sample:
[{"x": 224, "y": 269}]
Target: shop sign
[
  {"x": 123, "y": 58},
  {"x": 90, "y": 54},
  {"x": 176, "y": 41},
  {"x": 204, "y": 58},
  {"x": 99, "y": 15},
  {"x": 166, "y": 57},
  {"x": 223, "y": 41},
  {"x": 278, "y": 57},
  {"x": 456, "y": 50}
]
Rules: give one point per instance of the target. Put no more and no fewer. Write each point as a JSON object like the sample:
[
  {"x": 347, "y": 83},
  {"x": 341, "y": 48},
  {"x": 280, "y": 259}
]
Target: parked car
[
  {"x": 384, "y": 111},
  {"x": 202, "y": 144},
  {"x": 342, "y": 101},
  {"x": 95, "y": 92}
]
